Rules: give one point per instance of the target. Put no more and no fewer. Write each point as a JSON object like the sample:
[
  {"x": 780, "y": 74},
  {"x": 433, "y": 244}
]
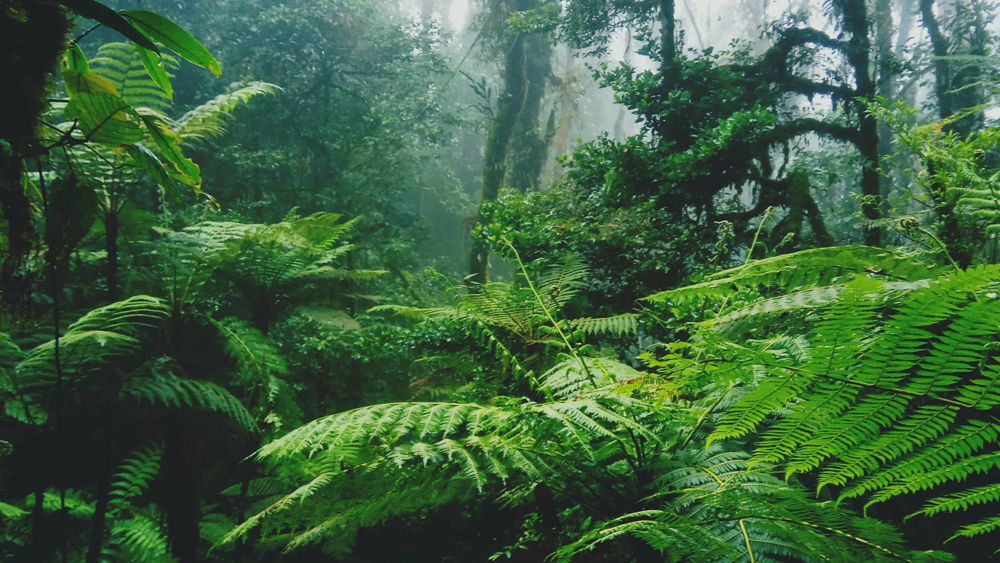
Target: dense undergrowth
[{"x": 238, "y": 323}]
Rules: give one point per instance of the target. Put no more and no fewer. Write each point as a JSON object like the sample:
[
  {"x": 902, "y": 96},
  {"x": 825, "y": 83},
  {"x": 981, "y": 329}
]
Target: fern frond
[
  {"x": 257, "y": 357},
  {"x": 560, "y": 284},
  {"x": 961, "y": 501},
  {"x": 807, "y": 269},
  {"x": 172, "y": 391},
  {"x": 888, "y": 397},
  {"x": 140, "y": 539},
  {"x": 134, "y": 475},
  {"x": 208, "y": 120},
  {"x": 618, "y": 325}
]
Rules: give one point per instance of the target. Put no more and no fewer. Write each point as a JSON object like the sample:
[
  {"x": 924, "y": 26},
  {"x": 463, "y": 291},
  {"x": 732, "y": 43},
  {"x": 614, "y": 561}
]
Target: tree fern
[
  {"x": 171, "y": 391},
  {"x": 102, "y": 335},
  {"x": 560, "y": 284},
  {"x": 892, "y": 398}
]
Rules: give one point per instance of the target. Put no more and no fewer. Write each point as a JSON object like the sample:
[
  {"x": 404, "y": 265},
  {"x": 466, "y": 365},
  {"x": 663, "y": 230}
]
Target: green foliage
[
  {"x": 890, "y": 396},
  {"x": 123, "y": 65},
  {"x": 172, "y": 391},
  {"x": 208, "y": 120},
  {"x": 173, "y": 37},
  {"x": 537, "y": 418}
]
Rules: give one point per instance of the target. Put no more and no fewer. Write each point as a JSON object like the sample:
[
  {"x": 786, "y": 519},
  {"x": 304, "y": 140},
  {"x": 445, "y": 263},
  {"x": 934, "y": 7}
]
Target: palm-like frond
[
  {"x": 171, "y": 391},
  {"x": 808, "y": 269},
  {"x": 102, "y": 335},
  {"x": 891, "y": 397},
  {"x": 209, "y": 120}
]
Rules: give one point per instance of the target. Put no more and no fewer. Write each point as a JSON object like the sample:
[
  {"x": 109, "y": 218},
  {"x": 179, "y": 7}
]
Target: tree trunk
[
  {"x": 36, "y": 551},
  {"x": 111, "y": 244},
  {"x": 941, "y": 47},
  {"x": 886, "y": 88},
  {"x": 183, "y": 512},
  {"x": 529, "y": 144},
  {"x": 668, "y": 33},
  {"x": 31, "y": 40},
  {"x": 855, "y": 22},
  {"x": 967, "y": 83},
  {"x": 97, "y": 522},
  {"x": 495, "y": 165},
  {"x": 565, "y": 110},
  {"x": 669, "y": 65}
]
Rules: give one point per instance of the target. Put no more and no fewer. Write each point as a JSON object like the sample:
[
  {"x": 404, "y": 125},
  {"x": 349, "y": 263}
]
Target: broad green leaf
[
  {"x": 154, "y": 66},
  {"x": 87, "y": 82},
  {"x": 144, "y": 158},
  {"x": 76, "y": 60},
  {"x": 93, "y": 10},
  {"x": 169, "y": 145},
  {"x": 104, "y": 118},
  {"x": 174, "y": 37}
]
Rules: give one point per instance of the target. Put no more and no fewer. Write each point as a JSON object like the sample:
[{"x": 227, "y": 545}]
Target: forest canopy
[{"x": 575, "y": 281}]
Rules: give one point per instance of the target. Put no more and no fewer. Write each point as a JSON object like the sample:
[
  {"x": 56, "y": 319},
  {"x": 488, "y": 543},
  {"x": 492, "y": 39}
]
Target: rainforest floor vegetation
[{"x": 484, "y": 280}]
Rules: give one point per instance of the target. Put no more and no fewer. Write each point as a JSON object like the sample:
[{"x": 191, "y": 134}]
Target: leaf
[
  {"x": 86, "y": 82},
  {"x": 144, "y": 158},
  {"x": 75, "y": 59},
  {"x": 104, "y": 118},
  {"x": 174, "y": 37},
  {"x": 169, "y": 145},
  {"x": 330, "y": 317},
  {"x": 154, "y": 66},
  {"x": 93, "y": 10}
]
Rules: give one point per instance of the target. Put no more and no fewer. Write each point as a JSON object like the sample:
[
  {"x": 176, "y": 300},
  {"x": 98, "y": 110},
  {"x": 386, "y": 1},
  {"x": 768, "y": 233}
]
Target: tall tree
[{"x": 510, "y": 103}]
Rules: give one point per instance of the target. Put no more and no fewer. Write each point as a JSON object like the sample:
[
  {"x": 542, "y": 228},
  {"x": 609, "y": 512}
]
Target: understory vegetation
[{"x": 577, "y": 281}]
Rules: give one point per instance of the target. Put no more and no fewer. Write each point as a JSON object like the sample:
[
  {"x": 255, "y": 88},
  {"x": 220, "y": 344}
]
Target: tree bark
[
  {"x": 886, "y": 87},
  {"x": 111, "y": 245},
  {"x": 941, "y": 47},
  {"x": 565, "y": 106},
  {"x": 855, "y": 22},
  {"x": 495, "y": 165},
  {"x": 183, "y": 512},
  {"x": 668, "y": 33},
  {"x": 36, "y": 550},
  {"x": 31, "y": 43},
  {"x": 97, "y": 523},
  {"x": 529, "y": 144}
]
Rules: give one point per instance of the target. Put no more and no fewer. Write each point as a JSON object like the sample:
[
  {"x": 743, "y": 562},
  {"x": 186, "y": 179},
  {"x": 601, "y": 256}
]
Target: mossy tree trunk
[
  {"x": 509, "y": 105},
  {"x": 854, "y": 21},
  {"x": 32, "y": 37}
]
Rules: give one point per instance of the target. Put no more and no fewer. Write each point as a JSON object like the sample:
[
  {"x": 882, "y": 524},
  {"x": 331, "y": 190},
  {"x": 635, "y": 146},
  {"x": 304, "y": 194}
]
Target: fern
[
  {"x": 134, "y": 476},
  {"x": 560, "y": 284},
  {"x": 208, "y": 120},
  {"x": 892, "y": 396},
  {"x": 103, "y": 335},
  {"x": 164, "y": 388},
  {"x": 618, "y": 325},
  {"x": 140, "y": 539},
  {"x": 721, "y": 509},
  {"x": 257, "y": 357},
  {"x": 808, "y": 269}
]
